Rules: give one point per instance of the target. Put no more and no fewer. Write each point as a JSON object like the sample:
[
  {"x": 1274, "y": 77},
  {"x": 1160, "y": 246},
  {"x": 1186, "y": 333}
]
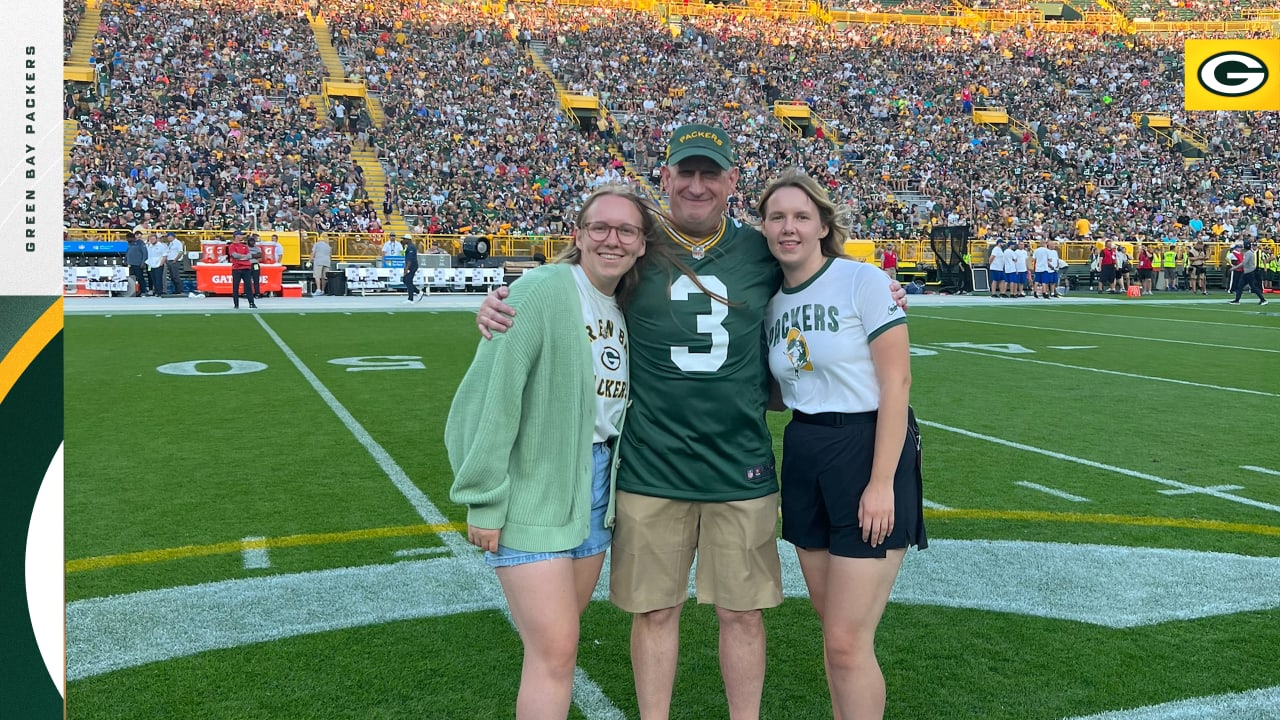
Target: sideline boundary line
[
  {"x": 1100, "y": 334},
  {"x": 1193, "y": 489},
  {"x": 1052, "y": 310},
  {"x": 1135, "y": 376},
  {"x": 587, "y": 695}
]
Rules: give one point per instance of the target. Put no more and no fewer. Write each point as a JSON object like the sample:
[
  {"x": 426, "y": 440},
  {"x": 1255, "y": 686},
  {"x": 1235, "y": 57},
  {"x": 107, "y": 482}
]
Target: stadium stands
[
  {"x": 212, "y": 117},
  {"x": 203, "y": 118},
  {"x": 474, "y": 138},
  {"x": 73, "y": 12}
]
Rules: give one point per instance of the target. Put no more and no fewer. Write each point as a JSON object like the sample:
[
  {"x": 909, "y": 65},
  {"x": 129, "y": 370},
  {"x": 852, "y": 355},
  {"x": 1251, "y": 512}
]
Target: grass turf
[{"x": 158, "y": 461}]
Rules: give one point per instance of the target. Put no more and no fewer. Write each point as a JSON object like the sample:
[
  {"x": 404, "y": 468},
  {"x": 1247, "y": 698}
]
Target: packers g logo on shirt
[
  {"x": 798, "y": 350},
  {"x": 1232, "y": 74}
]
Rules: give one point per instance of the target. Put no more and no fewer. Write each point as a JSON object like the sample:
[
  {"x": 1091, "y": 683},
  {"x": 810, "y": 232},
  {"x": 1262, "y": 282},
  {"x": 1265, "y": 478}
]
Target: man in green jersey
[{"x": 696, "y": 474}]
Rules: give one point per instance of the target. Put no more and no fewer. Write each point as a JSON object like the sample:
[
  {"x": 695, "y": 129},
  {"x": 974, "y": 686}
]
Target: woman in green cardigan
[{"x": 530, "y": 437}]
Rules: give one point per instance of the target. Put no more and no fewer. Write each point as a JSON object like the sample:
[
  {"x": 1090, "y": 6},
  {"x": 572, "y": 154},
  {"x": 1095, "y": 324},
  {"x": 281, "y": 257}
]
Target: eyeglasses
[{"x": 599, "y": 231}]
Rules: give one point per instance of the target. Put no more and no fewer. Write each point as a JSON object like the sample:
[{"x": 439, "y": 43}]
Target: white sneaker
[
  {"x": 191, "y": 295},
  {"x": 406, "y": 302}
]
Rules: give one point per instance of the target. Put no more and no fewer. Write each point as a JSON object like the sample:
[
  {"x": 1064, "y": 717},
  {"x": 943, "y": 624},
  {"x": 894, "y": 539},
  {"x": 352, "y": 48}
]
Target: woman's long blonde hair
[{"x": 837, "y": 217}]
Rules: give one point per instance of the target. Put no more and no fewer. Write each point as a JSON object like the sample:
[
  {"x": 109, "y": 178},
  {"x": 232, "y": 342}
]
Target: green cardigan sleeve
[{"x": 486, "y": 414}]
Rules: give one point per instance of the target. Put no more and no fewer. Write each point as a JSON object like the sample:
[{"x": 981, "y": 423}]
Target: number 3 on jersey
[{"x": 708, "y": 324}]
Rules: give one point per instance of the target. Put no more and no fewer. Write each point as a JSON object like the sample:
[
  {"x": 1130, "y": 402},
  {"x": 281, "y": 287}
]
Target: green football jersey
[{"x": 699, "y": 379}]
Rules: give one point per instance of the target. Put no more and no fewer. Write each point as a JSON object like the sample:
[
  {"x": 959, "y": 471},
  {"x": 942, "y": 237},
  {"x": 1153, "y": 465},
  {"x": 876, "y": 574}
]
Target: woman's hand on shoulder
[
  {"x": 899, "y": 293},
  {"x": 495, "y": 315}
]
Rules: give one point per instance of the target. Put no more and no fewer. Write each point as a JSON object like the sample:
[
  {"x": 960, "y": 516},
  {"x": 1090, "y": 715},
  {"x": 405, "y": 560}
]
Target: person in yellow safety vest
[
  {"x": 966, "y": 273},
  {"x": 1170, "y": 269},
  {"x": 1271, "y": 279}
]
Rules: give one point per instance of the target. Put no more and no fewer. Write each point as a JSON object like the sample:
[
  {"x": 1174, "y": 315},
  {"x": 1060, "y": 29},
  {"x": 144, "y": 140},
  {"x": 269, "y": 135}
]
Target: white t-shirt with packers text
[
  {"x": 819, "y": 337},
  {"x": 607, "y": 331}
]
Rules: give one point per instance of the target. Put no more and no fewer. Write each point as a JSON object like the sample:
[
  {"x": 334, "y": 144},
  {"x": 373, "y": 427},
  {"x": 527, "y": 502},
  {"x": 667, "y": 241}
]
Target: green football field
[{"x": 258, "y": 524}]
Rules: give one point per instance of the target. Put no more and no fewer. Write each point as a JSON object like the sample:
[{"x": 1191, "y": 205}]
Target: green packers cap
[{"x": 700, "y": 141}]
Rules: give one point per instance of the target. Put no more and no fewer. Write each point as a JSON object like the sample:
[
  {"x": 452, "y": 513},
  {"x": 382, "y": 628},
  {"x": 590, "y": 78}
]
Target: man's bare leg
[{"x": 655, "y": 650}]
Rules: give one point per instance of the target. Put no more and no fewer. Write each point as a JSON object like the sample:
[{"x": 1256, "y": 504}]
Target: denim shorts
[{"x": 598, "y": 537}]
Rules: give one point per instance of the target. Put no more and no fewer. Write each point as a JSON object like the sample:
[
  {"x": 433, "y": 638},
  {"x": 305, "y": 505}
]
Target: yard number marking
[
  {"x": 381, "y": 362},
  {"x": 1006, "y": 348},
  {"x": 232, "y": 367}
]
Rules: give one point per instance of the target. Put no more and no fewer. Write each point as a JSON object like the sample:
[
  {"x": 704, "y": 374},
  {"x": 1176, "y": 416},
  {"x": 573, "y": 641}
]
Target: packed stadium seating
[
  {"x": 72, "y": 13},
  {"x": 212, "y": 116},
  {"x": 205, "y": 118}
]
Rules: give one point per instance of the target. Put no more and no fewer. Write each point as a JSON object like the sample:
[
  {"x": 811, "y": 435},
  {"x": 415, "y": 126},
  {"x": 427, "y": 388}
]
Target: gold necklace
[{"x": 697, "y": 249}]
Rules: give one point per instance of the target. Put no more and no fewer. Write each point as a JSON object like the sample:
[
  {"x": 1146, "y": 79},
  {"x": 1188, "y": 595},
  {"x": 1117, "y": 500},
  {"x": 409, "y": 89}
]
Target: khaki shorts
[{"x": 655, "y": 540}]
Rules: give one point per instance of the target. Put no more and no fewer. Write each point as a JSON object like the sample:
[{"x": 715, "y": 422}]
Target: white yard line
[
  {"x": 588, "y": 696},
  {"x": 1103, "y": 466},
  {"x": 1051, "y": 491},
  {"x": 933, "y": 505},
  {"x": 254, "y": 553},
  {"x": 1055, "y": 310},
  {"x": 1100, "y": 334},
  {"x": 1109, "y": 586},
  {"x": 1263, "y": 470},
  {"x": 1215, "y": 305},
  {"x": 1258, "y": 704},
  {"x": 1135, "y": 376},
  {"x": 1226, "y": 488},
  {"x": 426, "y": 510},
  {"x": 415, "y": 552}
]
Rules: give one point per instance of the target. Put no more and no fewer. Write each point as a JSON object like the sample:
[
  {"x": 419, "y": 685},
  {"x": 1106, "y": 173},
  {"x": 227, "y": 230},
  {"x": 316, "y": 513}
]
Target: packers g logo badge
[
  {"x": 1232, "y": 75},
  {"x": 798, "y": 350}
]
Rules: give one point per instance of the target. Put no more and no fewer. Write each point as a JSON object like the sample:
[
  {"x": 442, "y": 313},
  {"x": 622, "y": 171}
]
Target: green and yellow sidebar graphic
[{"x": 32, "y": 619}]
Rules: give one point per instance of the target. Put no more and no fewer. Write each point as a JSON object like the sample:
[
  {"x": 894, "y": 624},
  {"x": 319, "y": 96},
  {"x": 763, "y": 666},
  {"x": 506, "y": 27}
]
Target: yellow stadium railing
[
  {"x": 364, "y": 247},
  {"x": 866, "y": 18},
  {"x": 1020, "y": 17},
  {"x": 788, "y": 9},
  {"x": 828, "y": 130},
  {"x": 641, "y": 5},
  {"x": 1202, "y": 27},
  {"x": 1023, "y": 128},
  {"x": 792, "y": 109},
  {"x": 990, "y": 115},
  {"x": 915, "y": 255},
  {"x": 1155, "y": 119},
  {"x": 347, "y": 247},
  {"x": 344, "y": 88}
]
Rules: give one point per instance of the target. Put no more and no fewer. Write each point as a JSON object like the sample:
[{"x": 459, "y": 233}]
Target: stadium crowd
[
  {"x": 901, "y": 97},
  {"x": 474, "y": 134},
  {"x": 72, "y": 13},
  {"x": 204, "y": 118}
]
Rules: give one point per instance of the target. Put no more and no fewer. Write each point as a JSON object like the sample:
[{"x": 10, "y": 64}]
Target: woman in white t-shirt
[{"x": 851, "y": 489}]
